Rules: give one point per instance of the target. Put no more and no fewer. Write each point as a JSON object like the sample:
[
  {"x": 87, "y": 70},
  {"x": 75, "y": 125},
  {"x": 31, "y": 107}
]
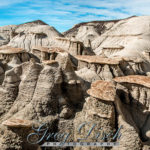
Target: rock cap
[
  {"x": 48, "y": 62},
  {"x": 17, "y": 123},
  {"x": 10, "y": 50},
  {"x": 134, "y": 79},
  {"x": 104, "y": 90},
  {"x": 98, "y": 59},
  {"x": 49, "y": 49},
  {"x": 68, "y": 39}
]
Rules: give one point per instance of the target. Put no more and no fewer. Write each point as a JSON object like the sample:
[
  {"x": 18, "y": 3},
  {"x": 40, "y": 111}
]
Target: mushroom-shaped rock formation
[
  {"x": 10, "y": 50},
  {"x": 108, "y": 68},
  {"x": 72, "y": 46},
  {"x": 98, "y": 110},
  {"x": 134, "y": 79},
  {"x": 103, "y": 90},
  {"x": 103, "y": 67},
  {"x": 7, "y": 53},
  {"x": 98, "y": 60},
  {"x": 12, "y": 56},
  {"x": 46, "y": 53},
  {"x": 138, "y": 87},
  {"x": 134, "y": 94},
  {"x": 18, "y": 129}
]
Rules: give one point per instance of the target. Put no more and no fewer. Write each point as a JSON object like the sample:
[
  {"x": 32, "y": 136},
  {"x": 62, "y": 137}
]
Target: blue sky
[{"x": 63, "y": 14}]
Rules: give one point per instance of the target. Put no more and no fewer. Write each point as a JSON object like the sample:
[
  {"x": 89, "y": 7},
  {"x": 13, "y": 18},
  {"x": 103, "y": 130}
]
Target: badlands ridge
[{"x": 95, "y": 72}]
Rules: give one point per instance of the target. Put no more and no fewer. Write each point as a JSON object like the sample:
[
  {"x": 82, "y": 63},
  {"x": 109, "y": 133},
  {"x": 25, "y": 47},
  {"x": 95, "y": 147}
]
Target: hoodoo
[{"x": 96, "y": 73}]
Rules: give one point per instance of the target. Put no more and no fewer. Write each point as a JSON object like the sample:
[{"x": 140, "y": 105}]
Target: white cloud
[
  {"x": 8, "y": 3},
  {"x": 68, "y": 12}
]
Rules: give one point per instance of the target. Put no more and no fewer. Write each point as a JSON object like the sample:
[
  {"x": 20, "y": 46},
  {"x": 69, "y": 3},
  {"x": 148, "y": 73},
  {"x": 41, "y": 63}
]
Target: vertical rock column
[{"x": 98, "y": 112}]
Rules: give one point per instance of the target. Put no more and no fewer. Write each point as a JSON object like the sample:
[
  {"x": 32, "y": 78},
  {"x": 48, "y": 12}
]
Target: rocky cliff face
[
  {"x": 96, "y": 73},
  {"x": 127, "y": 37},
  {"x": 37, "y": 35},
  {"x": 6, "y": 34}
]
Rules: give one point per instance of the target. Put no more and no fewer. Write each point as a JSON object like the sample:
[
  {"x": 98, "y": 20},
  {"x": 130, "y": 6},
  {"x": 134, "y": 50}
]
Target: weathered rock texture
[
  {"x": 37, "y": 35},
  {"x": 128, "y": 37},
  {"x": 92, "y": 68},
  {"x": 40, "y": 92},
  {"x": 46, "y": 53},
  {"x": 133, "y": 108},
  {"x": 73, "y": 46},
  {"x": 98, "y": 109},
  {"x": 108, "y": 68},
  {"x": 6, "y": 34},
  {"x": 96, "y": 73},
  {"x": 17, "y": 123},
  {"x": 11, "y": 54}
]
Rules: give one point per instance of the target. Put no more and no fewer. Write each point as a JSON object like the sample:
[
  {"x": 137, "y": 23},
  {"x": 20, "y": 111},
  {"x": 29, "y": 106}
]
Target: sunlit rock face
[
  {"x": 127, "y": 37},
  {"x": 37, "y": 35},
  {"x": 6, "y": 34},
  {"x": 95, "y": 73}
]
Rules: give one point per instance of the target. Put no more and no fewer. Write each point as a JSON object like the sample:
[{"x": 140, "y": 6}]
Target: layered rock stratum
[{"x": 96, "y": 73}]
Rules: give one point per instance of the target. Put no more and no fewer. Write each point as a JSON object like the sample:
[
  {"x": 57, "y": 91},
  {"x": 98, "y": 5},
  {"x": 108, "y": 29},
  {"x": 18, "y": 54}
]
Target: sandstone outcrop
[
  {"x": 110, "y": 50},
  {"x": 46, "y": 53},
  {"x": 108, "y": 68},
  {"x": 98, "y": 110},
  {"x": 12, "y": 55},
  {"x": 31, "y": 85},
  {"x": 19, "y": 130},
  {"x": 134, "y": 91},
  {"x": 73, "y": 46},
  {"x": 103, "y": 90}
]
